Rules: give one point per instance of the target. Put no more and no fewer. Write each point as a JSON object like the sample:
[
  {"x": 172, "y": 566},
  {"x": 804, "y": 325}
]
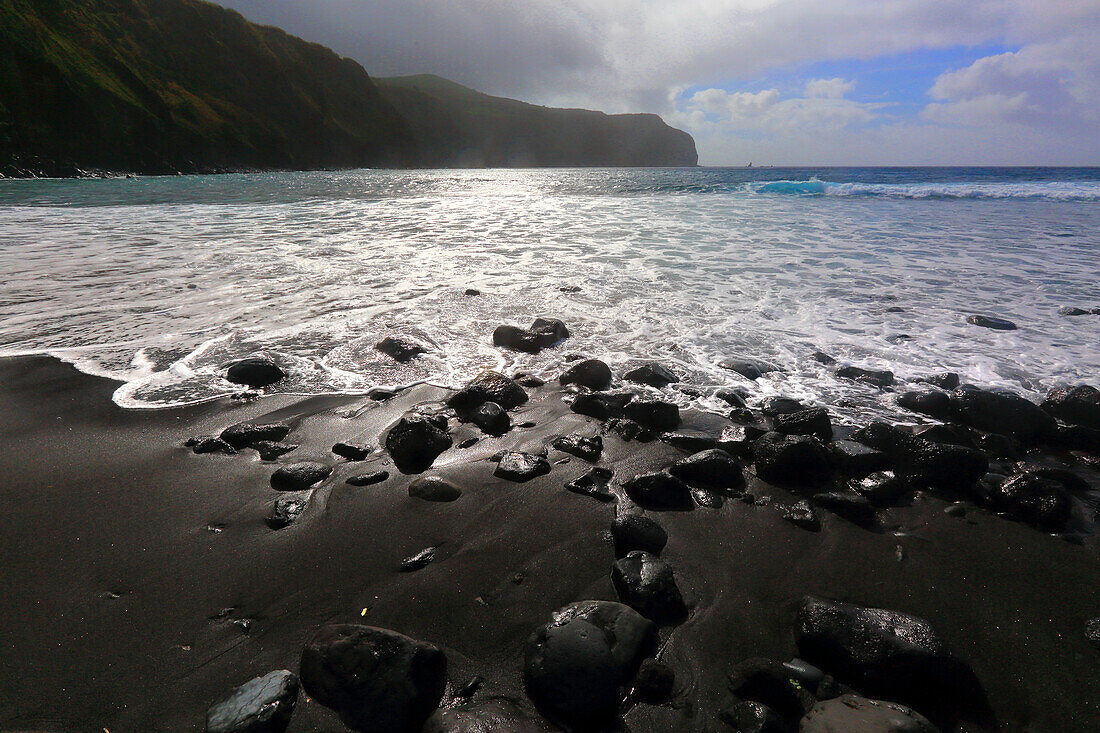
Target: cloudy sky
[{"x": 826, "y": 82}]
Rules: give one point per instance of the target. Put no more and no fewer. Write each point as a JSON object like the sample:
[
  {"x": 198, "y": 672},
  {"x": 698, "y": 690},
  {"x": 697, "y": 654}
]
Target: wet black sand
[{"x": 127, "y": 561}]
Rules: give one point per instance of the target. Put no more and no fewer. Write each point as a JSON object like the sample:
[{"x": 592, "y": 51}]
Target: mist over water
[{"x": 161, "y": 282}]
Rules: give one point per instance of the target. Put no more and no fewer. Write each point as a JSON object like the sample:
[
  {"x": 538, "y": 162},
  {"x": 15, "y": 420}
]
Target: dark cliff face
[
  {"x": 167, "y": 85},
  {"x": 456, "y": 126},
  {"x": 163, "y": 86}
]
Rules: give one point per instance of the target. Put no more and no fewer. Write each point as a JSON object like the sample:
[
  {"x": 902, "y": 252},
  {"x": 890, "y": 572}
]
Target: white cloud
[{"x": 829, "y": 88}]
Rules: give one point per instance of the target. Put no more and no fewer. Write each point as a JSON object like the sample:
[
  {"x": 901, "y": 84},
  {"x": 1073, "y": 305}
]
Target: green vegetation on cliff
[
  {"x": 186, "y": 85},
  {"x": 181, "y": 85}
]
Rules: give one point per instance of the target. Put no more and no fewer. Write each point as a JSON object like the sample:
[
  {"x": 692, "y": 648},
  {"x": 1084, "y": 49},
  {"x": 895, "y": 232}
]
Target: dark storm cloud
[{"x": 504, "y": 47}]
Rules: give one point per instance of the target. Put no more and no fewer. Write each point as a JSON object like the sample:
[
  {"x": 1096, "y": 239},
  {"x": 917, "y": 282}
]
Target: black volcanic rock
[
  {"x": 927, "y": 402},
  {"x": 517, "y": 339},
  {"x": 368, "y": 479},
  {"x": 585, "y": 447},
  {"x": 1078, "y": 405},
  {"x": 521, "y": 467},
  {"x": 773, "y": 406},
  {"x": 659, "y": 491},
  {"x": 992, "y": 322},
  {"x": 714, "y": 468},
  {"x": 261, "y": 705},
  {"x": 768, "y": 682},
  {"x": 576, "y": 665},
  {"x": 594, "y": 484},
  {"x": 601, "y": 405},
  {"x": 801, "y": 514},
  {"x": 738, "y": 440},
  {"x": 1003, "y": 413},
  {"x": 254, "y": 372},
  {"x": 591, "y": 373},
  {"x": 489, "y": 386},
  {"x": 855, "y": 508},
  {"x": 414, "y": 442},
  {"x": 400, "y": 349},
  {"x": 812, "y": 421},
  {"x": 753, "y": 717},
  {"x": 935, "y": 464},
  {"x": 689, "y": 440},
  {"x": 654, "y": 683},
  {"x": 285, "y": 511},
  {"x": 647, "y": 584},
  {"x": 1035, "y": 499},
  {"x": 352, "y": 451},
  {"x": 549, "y": 331},
  {"x": 203, "y": 444},
  {"x": 791, "y": 460},
  {"x": 243, "y": 435},
  {"x": 636, "y": 532},
  {"x": 654, "y": 414},
  {"x": 857, "y": 460},
  {"x": 653, "y": 374},
  {"x": 491, "y": 418},
  {"x": 434, "y": 488},
  {"x": 945, "y": 380},
  {"x": 887, "y": 653},
  {"x": 748, "y": 368},
  {"x": 875, "y": 377},
  {"x": 377, "y": 680},
  {"x": 299, "y": 476},
  {"x": 854, "y": 713},
  {"x": 271, "y": 450}
]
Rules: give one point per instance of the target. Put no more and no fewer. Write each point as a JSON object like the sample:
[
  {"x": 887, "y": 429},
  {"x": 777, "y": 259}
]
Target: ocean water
[{"x": 161, "y": 282}]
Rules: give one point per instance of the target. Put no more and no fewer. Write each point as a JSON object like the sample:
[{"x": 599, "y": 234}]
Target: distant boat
[{"x": 750, "y": 164}]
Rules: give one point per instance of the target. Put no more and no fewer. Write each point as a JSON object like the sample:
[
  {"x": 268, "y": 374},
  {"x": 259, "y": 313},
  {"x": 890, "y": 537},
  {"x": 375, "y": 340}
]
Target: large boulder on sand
[
  {"x": 886, "y": 653},
  {"x": 576, "y": 665},
  {"x": 414, "y": 443},
  {"x": 1075, "y": 405},
  {"x": 714, "y": 468},
  {"x": 646, "y": 583},
  {"x": 1002, "y": 413},
  {"x": 489, "y": 386},
  {"x": 791, "y": 460},
  {"x": 934, "y": 464},
  {"x": 377, "y": 680}
]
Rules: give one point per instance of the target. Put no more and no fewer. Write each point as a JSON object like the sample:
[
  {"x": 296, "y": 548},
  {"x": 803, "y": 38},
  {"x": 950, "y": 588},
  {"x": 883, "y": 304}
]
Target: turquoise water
[{"x": 159, "y": 282}]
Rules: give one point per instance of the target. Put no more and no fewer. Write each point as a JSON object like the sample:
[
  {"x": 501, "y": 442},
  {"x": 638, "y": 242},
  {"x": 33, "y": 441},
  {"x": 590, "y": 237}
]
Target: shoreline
[{"x": 144, "y": 583}]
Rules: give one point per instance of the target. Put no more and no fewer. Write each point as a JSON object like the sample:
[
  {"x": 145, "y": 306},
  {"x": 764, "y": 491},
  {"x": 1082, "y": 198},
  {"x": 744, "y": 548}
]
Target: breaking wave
[{"x": 1050, "y": 191}]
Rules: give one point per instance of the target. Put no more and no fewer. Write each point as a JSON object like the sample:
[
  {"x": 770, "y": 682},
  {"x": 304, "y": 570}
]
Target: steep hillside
[
  {"x": 456, "y": 126},
  {"x": 166, "y": 85},
  {"x": 162, "y": 86}
]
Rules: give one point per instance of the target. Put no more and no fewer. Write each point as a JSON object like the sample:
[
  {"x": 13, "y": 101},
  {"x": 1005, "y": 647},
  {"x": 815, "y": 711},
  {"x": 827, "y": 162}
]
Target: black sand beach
[{"x": 141, "y": 582}]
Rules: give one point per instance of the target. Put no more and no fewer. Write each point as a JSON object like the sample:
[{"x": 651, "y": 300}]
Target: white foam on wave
[{"x": 163, "y": 298}]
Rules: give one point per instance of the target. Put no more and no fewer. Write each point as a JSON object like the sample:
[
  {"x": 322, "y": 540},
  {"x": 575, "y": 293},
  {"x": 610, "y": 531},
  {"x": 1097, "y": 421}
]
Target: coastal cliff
[
  {"x": 164, "y": 86},
  {"x": 456, "y": 126}
]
